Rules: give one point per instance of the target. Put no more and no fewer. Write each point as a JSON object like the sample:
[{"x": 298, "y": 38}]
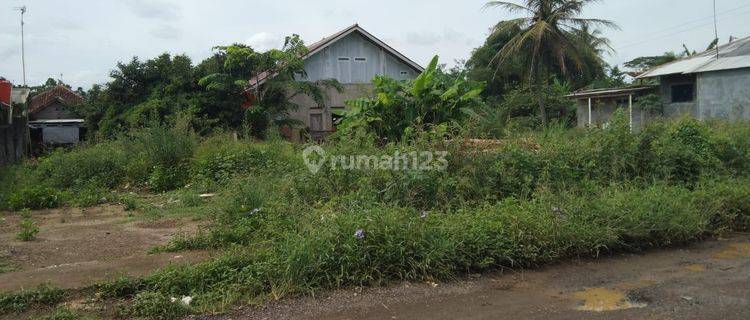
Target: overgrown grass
[
  {"x": 43, "y": 296},
  {"x": 527, "y": 201},
  {"x": 318, "y": 249},
  {"x": 63, "y": 314}
]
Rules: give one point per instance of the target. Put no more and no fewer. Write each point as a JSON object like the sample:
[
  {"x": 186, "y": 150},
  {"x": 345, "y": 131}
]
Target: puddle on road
[
  {"x": 602, "y": 299},
  {"x": 695, "y": 267},
  {"x": 734, "y": 251}
]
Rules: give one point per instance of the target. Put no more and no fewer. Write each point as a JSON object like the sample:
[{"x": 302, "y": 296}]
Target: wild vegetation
[
  {"x": 542, "y": 193},
  {"x": 534, "y": 199}
]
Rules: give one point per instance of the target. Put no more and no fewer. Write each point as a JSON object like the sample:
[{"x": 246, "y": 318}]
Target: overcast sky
[{"x": 82, "y": 40}]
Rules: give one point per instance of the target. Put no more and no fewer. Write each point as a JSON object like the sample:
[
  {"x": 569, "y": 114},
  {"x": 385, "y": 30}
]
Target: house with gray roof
[
  {"x": 352, "y": 56},
  {"x": 714, "y": 84}
]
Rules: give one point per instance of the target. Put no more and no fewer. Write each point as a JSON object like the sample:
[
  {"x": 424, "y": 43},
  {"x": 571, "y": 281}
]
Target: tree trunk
[{"x": 540, "y": 100}]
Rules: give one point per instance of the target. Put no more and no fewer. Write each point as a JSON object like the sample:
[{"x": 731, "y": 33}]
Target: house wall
[
  {"x": 724, "y": 95},
  {"x": 602, "y": 110},
  {"x": 55, "y": 110},
  {"x": 677, "y": 110},
  {"x": 335, "y": 100},
  {"x": 60, "y": 134},
  {"x": 326, "y": 64}
]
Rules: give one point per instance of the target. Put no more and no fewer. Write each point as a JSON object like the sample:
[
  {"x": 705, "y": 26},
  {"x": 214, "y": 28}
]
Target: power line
[
  {"x": 681, "y": 31},
  {"x": 716, "y": 32},
  {"x": 704, "y": 18}
]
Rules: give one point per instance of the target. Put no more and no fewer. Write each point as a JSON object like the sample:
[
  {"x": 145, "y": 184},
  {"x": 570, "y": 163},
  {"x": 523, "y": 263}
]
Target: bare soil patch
[{"x": 78, "y": 247}]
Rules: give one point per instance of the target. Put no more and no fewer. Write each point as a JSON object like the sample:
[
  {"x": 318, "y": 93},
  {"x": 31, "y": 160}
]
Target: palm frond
[
  {"x": 509, "y": 6},
  {"x": 589, "y": 22}
]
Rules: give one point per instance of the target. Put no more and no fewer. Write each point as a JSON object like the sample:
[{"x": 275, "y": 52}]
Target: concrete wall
[
  {"x": 354, "y": 59},
  {"x": 724, "y": 95},
  {"x": 55, "y": 110},
  {"x": 602, "y": 110},
  {"x": 677, "y": 110}
]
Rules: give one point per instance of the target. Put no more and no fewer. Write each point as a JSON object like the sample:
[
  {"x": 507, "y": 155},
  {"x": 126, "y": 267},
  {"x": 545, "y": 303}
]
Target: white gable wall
[{"x": 354, "y": 59}]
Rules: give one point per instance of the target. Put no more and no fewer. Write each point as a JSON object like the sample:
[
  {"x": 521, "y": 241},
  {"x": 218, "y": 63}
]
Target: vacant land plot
[{"x": 78, "y": 247}]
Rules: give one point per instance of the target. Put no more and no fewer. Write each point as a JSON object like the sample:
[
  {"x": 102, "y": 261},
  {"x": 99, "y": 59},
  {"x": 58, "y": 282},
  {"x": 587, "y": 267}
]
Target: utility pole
[{"x": 23, "y": 45}]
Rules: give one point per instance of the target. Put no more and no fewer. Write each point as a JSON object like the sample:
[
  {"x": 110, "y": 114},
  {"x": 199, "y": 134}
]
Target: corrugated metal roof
[
  {"x": 611, "y": 92},
  {"x": 725, "y": 64},
  {"x": 734, "y": 55},
  {"x": 678, "y": 67}
]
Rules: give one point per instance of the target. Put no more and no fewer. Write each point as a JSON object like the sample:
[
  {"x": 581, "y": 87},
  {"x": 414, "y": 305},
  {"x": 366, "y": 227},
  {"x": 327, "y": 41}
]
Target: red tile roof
[{"x": 58, "y": 93}]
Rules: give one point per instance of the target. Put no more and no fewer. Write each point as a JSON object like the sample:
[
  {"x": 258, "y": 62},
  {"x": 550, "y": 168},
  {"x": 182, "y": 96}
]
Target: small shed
[
  {"x": 52, "y": 117},
  {"x": 595, "y": 107}
]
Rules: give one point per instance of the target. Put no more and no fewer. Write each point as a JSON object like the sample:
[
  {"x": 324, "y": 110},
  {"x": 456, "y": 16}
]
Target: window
[
  {"x": 683, "y": 93},
  {"x": 343, "y": 59},
  {"x": 360, "y": 59},
  {"x": 404, "y": 73}
]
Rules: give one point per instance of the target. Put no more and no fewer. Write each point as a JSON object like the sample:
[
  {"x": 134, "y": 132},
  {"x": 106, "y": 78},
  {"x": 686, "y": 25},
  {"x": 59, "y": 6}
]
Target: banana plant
[{"x": 433, "y": 99}]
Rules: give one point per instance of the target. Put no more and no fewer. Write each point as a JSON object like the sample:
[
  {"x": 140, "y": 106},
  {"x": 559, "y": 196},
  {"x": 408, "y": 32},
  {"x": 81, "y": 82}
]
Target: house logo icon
[{"x": 315, "y": 158}]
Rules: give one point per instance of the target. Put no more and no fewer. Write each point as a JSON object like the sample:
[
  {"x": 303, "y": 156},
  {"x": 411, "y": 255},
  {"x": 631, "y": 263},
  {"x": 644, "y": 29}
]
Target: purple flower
[{"x": 359, "y": 234}]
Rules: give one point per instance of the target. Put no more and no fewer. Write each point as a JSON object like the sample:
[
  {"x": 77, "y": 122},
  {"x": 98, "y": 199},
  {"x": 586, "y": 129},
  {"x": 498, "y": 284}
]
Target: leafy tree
[
  {"x": 211, "y": 93},
  {"x": 547, "y": 40},
  {"x": 482, "y": 65},
  {"x": 613, "y": 78},
  {"x": 642, "y": 64},
  {"x": 284, "y": 73},
  {"x": 432, "y": 101}
]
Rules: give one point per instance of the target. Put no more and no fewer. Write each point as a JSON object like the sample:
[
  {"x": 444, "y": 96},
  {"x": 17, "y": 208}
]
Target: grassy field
[{"x": 282, "y": 230}]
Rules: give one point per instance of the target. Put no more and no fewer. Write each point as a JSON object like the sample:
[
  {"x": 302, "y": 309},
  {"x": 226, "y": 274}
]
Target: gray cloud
[
  {"x": 7, "y": 53},
  {"x": 166, "y": 32},
  {"x": 155, "y": 9},
  {"x": 83, "y": 39},
  {"x": 263, "y": 41},
  {"x": 431, "y": 38}
]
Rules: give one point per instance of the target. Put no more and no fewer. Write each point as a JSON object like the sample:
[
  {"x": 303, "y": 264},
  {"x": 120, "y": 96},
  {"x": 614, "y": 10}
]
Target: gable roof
[
  {"x": 328, "y": 41},
  {"x": 733, "y": 55},
  {"x": 57, "y": 93}
]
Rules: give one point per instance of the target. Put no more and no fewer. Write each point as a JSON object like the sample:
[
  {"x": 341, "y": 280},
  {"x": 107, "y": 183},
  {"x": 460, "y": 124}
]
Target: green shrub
[
  {"x": 91, "y": 166},
  {"x": 34, "y": 197},
  {"x": 129, "y": 203},
  {"x": 29, "y": 230},
  {"x": 166, "y": 178},
  {"x": 43, "y": 295}
]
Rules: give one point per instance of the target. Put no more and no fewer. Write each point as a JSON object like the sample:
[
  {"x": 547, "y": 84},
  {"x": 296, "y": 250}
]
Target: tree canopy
[{"x": 552, "y": 40}]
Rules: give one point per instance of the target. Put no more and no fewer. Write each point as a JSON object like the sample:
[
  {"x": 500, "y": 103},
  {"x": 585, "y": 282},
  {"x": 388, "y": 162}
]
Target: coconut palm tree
[{"x": 547, "y": 39}]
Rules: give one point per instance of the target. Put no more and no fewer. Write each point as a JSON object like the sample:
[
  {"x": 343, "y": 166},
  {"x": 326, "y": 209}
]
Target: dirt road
[
  {"x": 709, "y": 280},
  {"x": 78, "y": 247}
]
